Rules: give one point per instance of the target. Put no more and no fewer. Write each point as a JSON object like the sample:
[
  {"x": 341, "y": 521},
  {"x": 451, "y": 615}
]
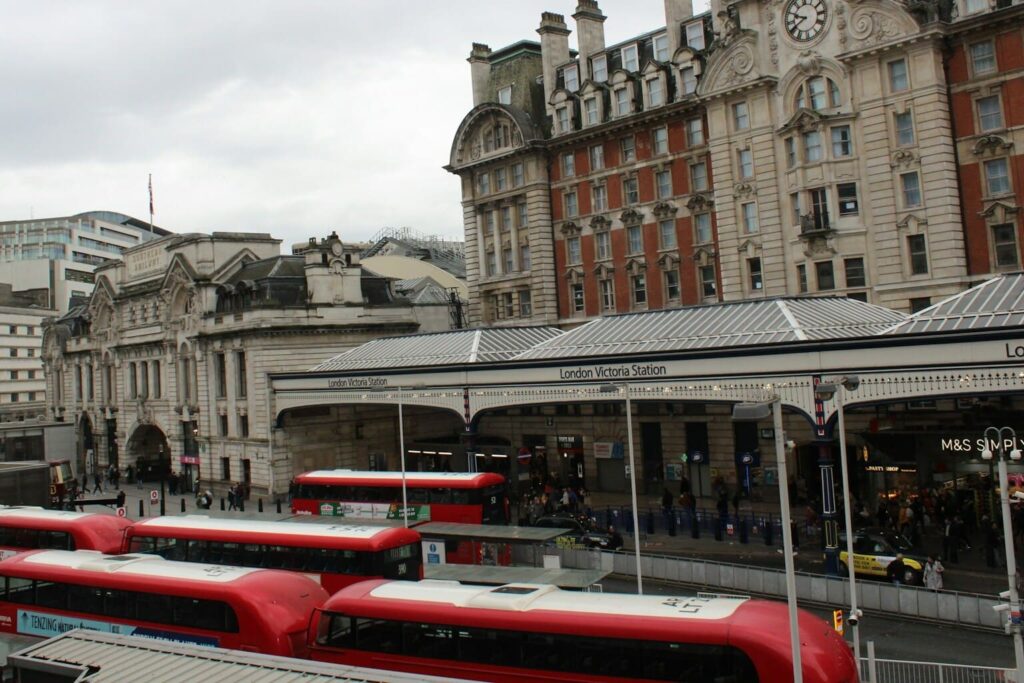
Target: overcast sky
[{"x": 292, "y": 117}]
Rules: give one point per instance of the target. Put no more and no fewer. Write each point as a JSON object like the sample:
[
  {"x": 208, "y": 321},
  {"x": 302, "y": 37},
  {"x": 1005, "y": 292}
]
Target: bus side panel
[
  {"x": 333, "y": 583},
  {"x": 305, "y": 506},
  {"x": 462, "y": 514}
]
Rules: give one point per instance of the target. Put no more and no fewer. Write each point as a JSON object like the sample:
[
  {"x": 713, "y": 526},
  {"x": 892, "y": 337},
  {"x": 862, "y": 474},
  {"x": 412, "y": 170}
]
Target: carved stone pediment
[
  {"x": 600, "y": 224},
  {"x": 631, "y": 217},
  {"x": 574, "y": 274},
  {"x": 669, "y": 260},
  {"x": 700, "y": 202},
  {"x": 704, "y": 256},
  {"x": 603, "y": 271},
  {"x": 664, "y": 210},
  {"x": 991, "y": 144},
  {"x": 804, "y": 119},
  {"x": 1001, "y": 212},
  {"x": 570, "y": 228},
  {"x": 635, "y": 266},
  {"x": 750, "y": 247},
  {"x": 911, "y": 222}
]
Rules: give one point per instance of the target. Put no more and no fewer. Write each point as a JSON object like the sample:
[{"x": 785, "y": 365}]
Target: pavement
[{"x": 969, "y": 575}]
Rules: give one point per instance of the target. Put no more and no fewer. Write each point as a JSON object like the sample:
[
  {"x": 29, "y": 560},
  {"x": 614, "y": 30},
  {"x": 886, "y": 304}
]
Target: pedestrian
[
  {"x": 933, "y": 570},
  {"x": 120, "y": 499},
  {"x": 950, "y": 542},
  {"x": 231, "y": 497},
  {"x": 666, "y": 502},
  {"x": 614, "y": 539},
  {"x": 896, "y": 569},
  {"x": 97, "y": 480},
  {"x": 172, "y": 483},
  {"x": 684, "y": 485}
]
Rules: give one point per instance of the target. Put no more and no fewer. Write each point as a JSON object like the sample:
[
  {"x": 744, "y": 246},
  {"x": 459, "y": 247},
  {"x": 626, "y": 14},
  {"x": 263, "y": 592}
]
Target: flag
[{"x": 150, "y": 194}]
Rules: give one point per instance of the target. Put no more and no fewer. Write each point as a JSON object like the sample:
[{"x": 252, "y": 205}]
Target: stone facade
[
  {"x": 167, "y": 366},
  {"x": 765, "y": 148}
]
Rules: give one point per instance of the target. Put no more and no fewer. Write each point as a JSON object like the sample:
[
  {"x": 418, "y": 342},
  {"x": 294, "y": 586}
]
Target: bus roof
[
  {"x": 454, "y": 480},
  {"x": 95, "y": 525},
  {"x": 149, "y": 566},
  {"x": 31, "y": 512},
  {"x": 277, "y": 533},
  {"x": 527, "y": 597}
]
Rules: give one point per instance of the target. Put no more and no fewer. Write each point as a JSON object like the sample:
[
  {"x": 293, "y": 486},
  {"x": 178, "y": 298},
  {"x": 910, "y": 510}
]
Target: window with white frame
[
  {"x": 607, "y": 288},
  {"x": 689, "y": 78},
  {"x": 990, "y": 113},
  {"x": 524, "y": 257},
  {"x": 523, "y": 215},
  {"x": 597, "y": 157},
  {"x": 639, "y": 289},
  {"x": 790, "y": 145},
  {"x": 571, "y": 77},
  {"x": 562, "y": 114},
  {"x": 911, "y": 185},
  {"x": 483, "y": 183},
  {"x": 630, "y": 193},
  {"x": 622, "y": 102},
  {"x": 983, "y": 57},
  {"x": 655, "y": 95},
  {"x": 505, "y": 95},
  {"x": 568, "y": 164},
  {"x": 663, "y": 184},
  {"x": 659, "y": 139},
  {"x": 572, "y": 249},
  {"x": 898, "y": 79},
  {"x": 695, "y": 132},
  {"x": 660, "y": 45},
  {"x": 629, "y": 58},
  {"x": 571, "y": 206},
  {"x": 672, "y": 285},
  {"x": 517, "y": 174},
  {"x": 667, "y": 232},
  {"x": 825, "y": 275},
  {"x": 599, "y": 68},
  {"x": 812, "y": 146},
  {"x": 855, "y": 274},
  {"x": 847, "y": 193},
  {"x": 904, "y": 128},
  {"x": 695, "y": 35},
  {"x": 997, "y": 177},
  {"x": 977, "y": 6},
  {"x": 590, "y": 111},
  {"x": 699, "y": 177},
  {"x": 801, "y": 278},
  {"x": 702, "y": 228},
  {"x": 746, "y": 163},
  {"x": 627, "y": 147},
  {"x": 499, "y": 179},
  {"x": 525, "y": 304},
  {"x": 917, "y": 251},
  {"x": 749, "y": 212},
  {"x": 842, "y": 143},
  {"x": 817, "y": 93},
  {"x": 754, "y": 271},
  {"x": 740, "y": 116},
  {"x": 708, "y": 286},
  {"x": 576, "y": 294},
  {"x": 1004, "y": 245},
  {"x": 635, "y": 239},
  {"x": 603, "y": 245},
  {"x": 600, "y": 198},
  {"x": 796, "y": 207}
]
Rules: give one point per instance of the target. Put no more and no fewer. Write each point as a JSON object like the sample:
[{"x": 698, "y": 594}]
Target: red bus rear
[
  {"x": 35, "y": 528},
  {"x": 337, "y": 555},
  {"x": 526, "y": 632},
  {"x": 468, "y": 498},
  {"x": 46, "y": 592}
]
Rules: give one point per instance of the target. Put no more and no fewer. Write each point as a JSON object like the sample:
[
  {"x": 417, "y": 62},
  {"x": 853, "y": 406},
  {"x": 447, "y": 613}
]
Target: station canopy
[{"x": 993, "y": 304}]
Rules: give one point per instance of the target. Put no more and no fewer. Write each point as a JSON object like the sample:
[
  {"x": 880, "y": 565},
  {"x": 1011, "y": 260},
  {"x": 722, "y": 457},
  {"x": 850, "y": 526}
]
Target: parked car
[
  {"x": 581, "y": 530},
  {"x": 875, "y": 548}
]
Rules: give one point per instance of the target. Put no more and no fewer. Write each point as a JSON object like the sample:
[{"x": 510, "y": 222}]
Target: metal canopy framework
[{"x": 970, "y": 344}]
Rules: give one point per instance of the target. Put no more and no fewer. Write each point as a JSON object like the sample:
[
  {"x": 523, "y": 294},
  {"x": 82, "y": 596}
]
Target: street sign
[
  {"x": 122, "y": 512},
  {"x": 837, "y": 620},
  {"x": 154, "y": 496}
]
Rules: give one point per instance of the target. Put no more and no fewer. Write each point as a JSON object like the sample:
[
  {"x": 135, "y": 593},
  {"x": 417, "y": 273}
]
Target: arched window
[{"x": 817, "y": 93}]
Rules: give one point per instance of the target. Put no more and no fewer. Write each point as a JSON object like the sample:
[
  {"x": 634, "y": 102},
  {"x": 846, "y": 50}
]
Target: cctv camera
[
  {"x": 1005, "y": 595},
  {"x": 1000, "y": 608},
  {"x": 854, "y": 617},
  {"x": 790, "y": 444}
]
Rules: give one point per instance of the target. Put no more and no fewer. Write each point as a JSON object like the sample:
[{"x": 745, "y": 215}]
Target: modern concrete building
[
  {"x": 760, "y": 149},
  {"x": 22, "y": 387}
]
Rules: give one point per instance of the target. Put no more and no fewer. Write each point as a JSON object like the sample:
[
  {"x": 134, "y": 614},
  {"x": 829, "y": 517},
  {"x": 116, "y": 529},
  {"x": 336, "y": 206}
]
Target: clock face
[{"x": 805, "y": 19}]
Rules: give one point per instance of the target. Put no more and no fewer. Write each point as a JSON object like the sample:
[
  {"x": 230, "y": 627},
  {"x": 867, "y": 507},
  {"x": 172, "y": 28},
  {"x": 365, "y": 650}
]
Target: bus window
[
  {"x": 119, "y": 604},
  {"x": 426, "y": 640},
  {"x": 418, "y": 495},
  {"x": 171, "y": 548},
  {"x": 461, "y": 496},
  {"x": 19, "y": 591},
  {"x": 335, "y": 630},
  {"x": 195, "y": 551},
  {"x": 49, "y": 594},
  {"x": 441, "y": 496},
  {"x": 86, "y": 599},
  {"x": 153, "y": 604}
]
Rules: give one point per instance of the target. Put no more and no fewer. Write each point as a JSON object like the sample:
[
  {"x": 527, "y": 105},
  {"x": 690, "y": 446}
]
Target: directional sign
[
  {"x": 154, "y": 496},
  {"x": 122, "y": 512}
]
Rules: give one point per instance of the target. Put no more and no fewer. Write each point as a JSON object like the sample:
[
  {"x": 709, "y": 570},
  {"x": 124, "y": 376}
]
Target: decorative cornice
[
  {"x": 700, "y": 202},
  {"x": 664, "y": 210},
  {"x": 600, "y": 224},
  {"x": 991, "y": 144},
  {"x": 570, "y": 228},
  {"x": 631, "y": 217},
  {"x": 743, "y": 189}
]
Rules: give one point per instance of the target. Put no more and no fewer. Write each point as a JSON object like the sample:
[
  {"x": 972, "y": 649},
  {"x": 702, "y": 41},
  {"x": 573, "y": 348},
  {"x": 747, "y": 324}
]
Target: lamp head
[
  {"x": 851, "y": 382},
  {"x": 986, "y": 454},
  {"x": 824, "y": 391},
  {"x": 1015, "y": 454},
  {"x": 751, "y": 412}
]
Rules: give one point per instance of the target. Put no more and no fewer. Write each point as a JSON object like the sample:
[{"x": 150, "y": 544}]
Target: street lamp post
[
  {"x": 825, "y": 391},
  {"x": 401, "y": 451},
  {"x": 632, "y": 476},
  {"x": 752, "y": 412},
  {"x": 1001, "y": 435}
]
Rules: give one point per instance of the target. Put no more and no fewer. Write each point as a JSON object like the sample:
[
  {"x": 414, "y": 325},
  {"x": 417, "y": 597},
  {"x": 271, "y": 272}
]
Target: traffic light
[{"x": 837, "y": 620}]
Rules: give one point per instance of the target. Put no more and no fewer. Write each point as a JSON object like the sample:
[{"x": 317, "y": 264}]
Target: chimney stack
[
  {"x": 480, "y": 71},
  {"x": 676, "y": 13},
  {"x": 589, "y": 34},
  {"x": 554, "y": 49}
]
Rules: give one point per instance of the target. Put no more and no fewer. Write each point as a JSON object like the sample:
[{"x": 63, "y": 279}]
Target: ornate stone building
[
  {"x": 166, "y": 366},
  {"x": 765, "y": 148}
]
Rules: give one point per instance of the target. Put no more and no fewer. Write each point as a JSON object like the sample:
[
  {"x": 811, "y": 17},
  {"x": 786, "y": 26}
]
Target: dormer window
[
  {"x": 817, "y": 93},
  {"x": 689, "y": 78},
  {"x": 571, "y": 78},
  {"x": 599, "y": 68},
  {"x": 562, "y": 114},
  {"x": 505, "y": 95},
  {"x": 695, "y": 35},
  {"x": 655, "y": 97},
  {"x": 590, "y": 111},
  {"x": 497, "y": 137},
  {"x": 660, "y": 44},
  {"x": 621, "y": 102},
  {"x": 629, "y": 58}
]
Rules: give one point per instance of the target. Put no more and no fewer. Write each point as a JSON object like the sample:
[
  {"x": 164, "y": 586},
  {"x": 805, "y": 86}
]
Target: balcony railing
[{"x": 815, "y": 222}]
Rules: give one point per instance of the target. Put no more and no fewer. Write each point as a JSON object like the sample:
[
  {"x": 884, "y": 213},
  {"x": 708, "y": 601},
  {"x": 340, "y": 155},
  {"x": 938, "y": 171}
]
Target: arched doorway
[
  {"x": 149, "y": 453},
  {"x": 87, "y": 460}
]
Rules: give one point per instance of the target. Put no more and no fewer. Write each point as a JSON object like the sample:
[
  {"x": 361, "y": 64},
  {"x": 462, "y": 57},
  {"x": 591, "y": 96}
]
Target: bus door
[{"x": 493, "y": 505}]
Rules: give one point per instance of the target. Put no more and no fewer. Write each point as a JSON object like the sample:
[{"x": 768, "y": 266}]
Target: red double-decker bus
[
  {"x": 526, "y": 632},
  {"x": 336, "y": 554},
  {"x": 469, "y": 498},
  {"x": 44, "y": 593},
  {"x": 35, "y": 528}
]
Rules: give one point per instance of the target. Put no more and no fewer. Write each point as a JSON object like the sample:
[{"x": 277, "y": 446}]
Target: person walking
[
  {"x": 97, "y": 481},
  {"x": 896, "y": 569},
  {"x": 950, "y": 542},
  {"x": 933, "y": 570},
  {"x": 231, "y": 497},
  {"x": 120, "y": 499}
]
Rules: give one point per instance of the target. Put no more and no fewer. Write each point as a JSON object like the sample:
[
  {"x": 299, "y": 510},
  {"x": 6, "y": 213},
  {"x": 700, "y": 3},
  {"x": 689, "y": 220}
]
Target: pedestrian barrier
[{"x": 895, "y": 671}]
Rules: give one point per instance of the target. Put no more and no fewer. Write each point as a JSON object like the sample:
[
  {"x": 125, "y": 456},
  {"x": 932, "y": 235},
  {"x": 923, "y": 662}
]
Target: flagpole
[{"x": 150, "y": 203}]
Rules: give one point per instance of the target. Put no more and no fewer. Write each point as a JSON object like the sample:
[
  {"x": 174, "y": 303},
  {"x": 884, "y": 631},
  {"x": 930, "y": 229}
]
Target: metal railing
[{"x": 897, "y": 671}]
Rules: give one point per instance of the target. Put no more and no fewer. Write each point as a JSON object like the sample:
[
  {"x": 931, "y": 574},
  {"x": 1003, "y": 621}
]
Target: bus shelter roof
[
  {"x": 110, "y": 658},
  {"x": 489, "y": 532},
  {"x": 577, "y": 579}
]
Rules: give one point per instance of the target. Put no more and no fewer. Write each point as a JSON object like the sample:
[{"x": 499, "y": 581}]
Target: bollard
[
  {"x": 222, "y": 505},
  {"x": 241, "y": 504},
  {"x": 142, "y": 509},
  {"x": 672, "y": 523},
  {"x": 650, "y": 523},
  {"x": 744, "y": 536},
  {"x": 259, "y": 504},
  {"x": 278, "y": 506},
  {"x": 769, "y": 531},
  {"x": 182, "y": 504}
]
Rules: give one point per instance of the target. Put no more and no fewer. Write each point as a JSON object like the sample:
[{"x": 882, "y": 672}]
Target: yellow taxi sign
[{"x": 837, "y": 621}]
